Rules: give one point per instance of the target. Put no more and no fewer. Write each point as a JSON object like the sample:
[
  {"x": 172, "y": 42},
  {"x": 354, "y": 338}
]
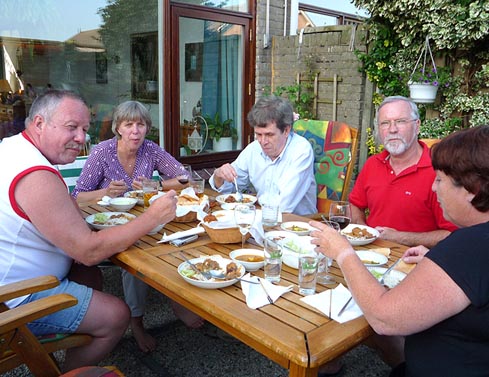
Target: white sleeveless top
[{"x": 24, "y": 252}]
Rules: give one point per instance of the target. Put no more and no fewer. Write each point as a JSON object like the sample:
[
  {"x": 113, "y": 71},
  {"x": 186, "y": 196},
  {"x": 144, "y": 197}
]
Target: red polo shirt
[{"x": 404, "y": 202}]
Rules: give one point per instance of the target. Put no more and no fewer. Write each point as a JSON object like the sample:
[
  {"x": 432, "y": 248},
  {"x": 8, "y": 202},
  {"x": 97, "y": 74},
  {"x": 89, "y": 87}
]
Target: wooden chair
[
  {"x": 430, "y": 142},
  {"x": 18, "y": 345},
  {"x": 335, "y": 146}
]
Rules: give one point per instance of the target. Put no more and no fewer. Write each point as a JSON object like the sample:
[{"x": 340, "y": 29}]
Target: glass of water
[
  {"x": 273, "y": 260},
  {"x": 244, "y": 215}
]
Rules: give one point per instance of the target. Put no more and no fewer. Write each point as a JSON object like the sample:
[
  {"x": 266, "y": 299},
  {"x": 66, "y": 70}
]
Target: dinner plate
[
  {"x": 138, "y": 194},
  {"x": 371, "y": 258},
  {"x": 300, "y": 228},
  {"x": 184, "y": 270},
  {"x": 247, "y": 199},
  {"x": 359, "y": 240},
  {"x": 279, "y": 235},
  {"x": 103, "y": 220},
  {"x": 392, "y": 279}
]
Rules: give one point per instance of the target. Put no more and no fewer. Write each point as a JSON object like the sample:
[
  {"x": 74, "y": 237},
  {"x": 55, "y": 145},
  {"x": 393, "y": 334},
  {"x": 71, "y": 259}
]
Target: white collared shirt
[{"x": 292, "y": 172}]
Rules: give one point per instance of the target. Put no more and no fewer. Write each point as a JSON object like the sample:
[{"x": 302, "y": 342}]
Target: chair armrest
[
  {"x": 25, "y": 287},
  {"x": 23, "y": 314}
]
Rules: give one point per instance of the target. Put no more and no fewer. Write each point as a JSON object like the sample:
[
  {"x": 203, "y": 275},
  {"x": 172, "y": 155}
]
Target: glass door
[{"x": 209, "y": 86}]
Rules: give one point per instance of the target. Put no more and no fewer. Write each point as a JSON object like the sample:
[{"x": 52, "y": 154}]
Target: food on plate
[
  {"x": 185, "y": 200},
  {"x": 294, "y": 246},
  {"x": 138, "y": 194},
  {"x": 358, "y": 232},
  {"x": 210, "y": 217},
  {"x": 114, "y": 219},
  {"x": 232, "y": 199},
  {"x": 232, "y": 270},
  {"x": 250, "y": 258},
  {"x": 367, "y": 261},
  {"x": 391, "y": 280},
  {"x": 297, "y": 228}
]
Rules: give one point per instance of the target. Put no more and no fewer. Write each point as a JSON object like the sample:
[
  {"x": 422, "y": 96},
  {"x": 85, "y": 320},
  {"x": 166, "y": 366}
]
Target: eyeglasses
[{"x": 399, "y": 123}]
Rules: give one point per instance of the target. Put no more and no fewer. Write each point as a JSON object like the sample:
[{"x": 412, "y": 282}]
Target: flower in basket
[{"x": 435, "y": 76}]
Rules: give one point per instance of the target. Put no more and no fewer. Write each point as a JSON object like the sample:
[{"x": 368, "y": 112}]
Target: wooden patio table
[{"x": 289, "y": 332}]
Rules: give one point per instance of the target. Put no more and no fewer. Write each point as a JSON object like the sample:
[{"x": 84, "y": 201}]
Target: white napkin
[
  {"x": 183, "y": 233},
  {"x": 341, "y": 295},
  {"x": 255, "y": 294}
]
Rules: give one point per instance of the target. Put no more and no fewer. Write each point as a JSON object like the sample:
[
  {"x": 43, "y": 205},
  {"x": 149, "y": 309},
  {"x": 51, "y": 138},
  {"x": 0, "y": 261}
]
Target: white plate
[
  {"x": 221, "y": 199},
  {"x": 394, "y": 277},
  {"x": 250, "y": 266},
  {"x": 279, "y": 234},
  {"x": 360, "y": 241},
  {"x": 109, "y": 222},
  {"x": 371, "y": 258},
  {"x": 303, "y": 228},
  {"x": 138, "y": 194},
  {"x": 211, "y": 283}
]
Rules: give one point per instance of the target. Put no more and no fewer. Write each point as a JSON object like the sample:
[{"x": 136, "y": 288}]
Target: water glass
[
  {"x": 198, "y": 184},
  {"x": 273, "y": 260},
  {"x": 308, "y": 268},
  {"x": 324, "y": 263},
  {"x": 269, "y": 214},
  {"x": 150, "y": 189}
]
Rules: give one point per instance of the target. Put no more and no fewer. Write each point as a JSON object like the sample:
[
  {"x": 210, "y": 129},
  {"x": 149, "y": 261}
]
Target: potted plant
[
  {"x": 424, "y": 83},
  {"x": 222, "y": 132}
]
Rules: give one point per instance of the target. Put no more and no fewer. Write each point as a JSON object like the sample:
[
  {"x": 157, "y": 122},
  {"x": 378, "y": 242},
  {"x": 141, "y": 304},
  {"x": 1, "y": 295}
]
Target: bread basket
[
  {"x": 188, "y": 218},
  {"x": 224, "y": 235}
]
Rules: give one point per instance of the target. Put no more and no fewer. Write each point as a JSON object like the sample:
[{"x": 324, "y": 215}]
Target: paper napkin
[
  {"x": 255, "y": 294},
  {"x": 340, "y": 296},
  {"x": 183, "y": 233},
  {"x": 257, "y": 227}
]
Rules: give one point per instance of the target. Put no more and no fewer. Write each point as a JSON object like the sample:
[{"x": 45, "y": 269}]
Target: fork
[
  {"x": 382, "y": 278},
  {"x": 239, "y": 196}
]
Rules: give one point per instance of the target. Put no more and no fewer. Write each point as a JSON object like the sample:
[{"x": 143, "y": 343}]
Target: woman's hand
[
  {"x": 329, "y": 241},
  {"x": 137, "y": 184},
  {"x": 116, "y": 188},
  {"x": 415, "y": 254}
]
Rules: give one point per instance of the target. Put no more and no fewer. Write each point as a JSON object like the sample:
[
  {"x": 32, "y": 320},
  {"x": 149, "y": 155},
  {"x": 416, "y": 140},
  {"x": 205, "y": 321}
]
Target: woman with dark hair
[{"x": 442, "y": 306}]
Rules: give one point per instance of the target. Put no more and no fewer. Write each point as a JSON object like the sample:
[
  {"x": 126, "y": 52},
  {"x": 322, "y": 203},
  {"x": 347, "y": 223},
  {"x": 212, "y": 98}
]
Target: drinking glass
[
  {"x": 150, "y": 189},
  {"x": 273, "y": 259},
  {"x": 308, "y": 268},
  {"x": 340, "y": 212},
  {"x": 324, "y": 262},
  {"x": 244, "y": 215},
  {"x": 183, "y": 179}
]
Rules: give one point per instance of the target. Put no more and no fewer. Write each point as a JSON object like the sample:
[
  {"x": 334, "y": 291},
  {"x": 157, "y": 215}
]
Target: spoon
[
  {"x": 239, "y": 196},
  {"x": 217, "y": 274}
]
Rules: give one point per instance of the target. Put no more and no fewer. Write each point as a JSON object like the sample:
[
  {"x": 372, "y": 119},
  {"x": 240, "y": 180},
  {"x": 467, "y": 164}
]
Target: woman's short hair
[
  {"x": 464, "y": 157},
  {"x": 271, "y": 109},
  {"x": 130, "y": 111}
]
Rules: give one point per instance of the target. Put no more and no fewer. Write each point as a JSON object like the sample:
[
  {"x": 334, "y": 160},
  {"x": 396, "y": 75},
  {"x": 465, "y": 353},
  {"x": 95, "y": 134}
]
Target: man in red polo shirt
[{"x": 395, "y": 185}]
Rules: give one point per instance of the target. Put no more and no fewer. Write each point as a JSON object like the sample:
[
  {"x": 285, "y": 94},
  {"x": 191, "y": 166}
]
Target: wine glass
[
  {"x": 340, "y": 212},
  {"x": 183, "y": 179},
  {"x": 244, "y": 215},
  {"x": 325, "y": 262}
]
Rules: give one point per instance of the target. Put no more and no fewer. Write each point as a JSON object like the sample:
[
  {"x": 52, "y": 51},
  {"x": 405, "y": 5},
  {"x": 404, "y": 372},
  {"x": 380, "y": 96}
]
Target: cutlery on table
[
  {"x": 381, "y": 281},
  {"x": 239, "y": 196},
  {"x": 268, "y": 296},
  {"x": 193, "y": 267},
  {"x": 221, "y": 276}
]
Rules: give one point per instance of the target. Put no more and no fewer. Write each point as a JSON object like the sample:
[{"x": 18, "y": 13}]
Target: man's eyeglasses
[{"x": 399, "y": 123}]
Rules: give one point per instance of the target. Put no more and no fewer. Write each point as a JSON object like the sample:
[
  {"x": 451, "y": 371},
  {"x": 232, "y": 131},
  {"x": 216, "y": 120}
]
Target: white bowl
[
  {"x": 136, "y": 194},
  {"x": 156, "y": 229},
  {"x": 247, "y": 199},
  {"x": 301, "y": 228},
  {"x": 295, "y": 247},
  {"x": 123, "y": 203},
  {"x": 249, "y": 265},
  {"x": 360, "y": 241}
]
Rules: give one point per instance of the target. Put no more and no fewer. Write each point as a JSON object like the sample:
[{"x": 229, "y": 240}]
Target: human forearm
[
  {"x": 90, "y": 196},
  {"x": 357, "y": 215},
  {"x": 428, "y": 239}
]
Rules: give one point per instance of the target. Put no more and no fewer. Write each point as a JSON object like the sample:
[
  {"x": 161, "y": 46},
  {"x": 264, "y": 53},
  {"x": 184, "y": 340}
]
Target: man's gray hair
[{"x": 271, "y": 109}]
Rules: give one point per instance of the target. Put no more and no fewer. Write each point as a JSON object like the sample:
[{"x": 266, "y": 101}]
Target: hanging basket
[{"x": 422, "y": 93}]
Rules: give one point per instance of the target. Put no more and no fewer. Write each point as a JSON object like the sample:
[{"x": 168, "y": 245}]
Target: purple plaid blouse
[{"x": 103, "y": 166}]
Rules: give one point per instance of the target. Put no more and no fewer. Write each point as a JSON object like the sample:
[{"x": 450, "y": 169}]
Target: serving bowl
[
  {"x": 123, "y": 203},
  {"x": 251, "y": 259},
  {"x": 360, "y": 235},
  {"x": 295, "y": 247}
]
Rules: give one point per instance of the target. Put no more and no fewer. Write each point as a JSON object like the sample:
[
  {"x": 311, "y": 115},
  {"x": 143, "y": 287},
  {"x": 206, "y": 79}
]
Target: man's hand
[{"x": 225, "y": 173}]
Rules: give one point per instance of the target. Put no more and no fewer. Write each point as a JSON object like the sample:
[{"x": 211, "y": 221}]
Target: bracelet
[{"x": 344, "y": 255}]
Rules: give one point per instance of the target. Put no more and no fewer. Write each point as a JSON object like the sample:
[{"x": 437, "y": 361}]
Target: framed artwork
[
  {"x": 144, "y": 67},
  {"x": 193, "y": 61}
]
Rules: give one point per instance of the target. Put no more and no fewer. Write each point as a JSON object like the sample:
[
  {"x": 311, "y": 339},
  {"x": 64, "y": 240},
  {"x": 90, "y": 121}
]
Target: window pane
[
  {"x": 234, "y": 5},
  {"x": 92, "y": 47},
  {"x": 211, "y": 73}
]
